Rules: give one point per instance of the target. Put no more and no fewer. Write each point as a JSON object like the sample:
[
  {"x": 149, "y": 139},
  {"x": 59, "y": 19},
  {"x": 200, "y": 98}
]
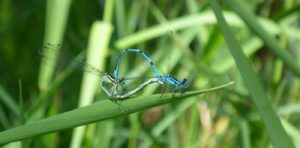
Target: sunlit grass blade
[
  {"x": 162, "y": 29},
  {"x": 98, "y": 44},
  {"x": 102, "y": 110},
  {"x": 56, "y": 20},
  {"x": 251, "y": 21},
  {"x": 245, "y": 133},
  {"x": 203, "y": 18},
  {"x": 276, "y": 132},
  {"x": 293, "y": 131}
]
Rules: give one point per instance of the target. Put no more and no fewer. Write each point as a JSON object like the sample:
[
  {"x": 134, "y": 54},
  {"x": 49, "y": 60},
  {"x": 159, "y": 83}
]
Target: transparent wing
[{"x": 50, "y": 53}]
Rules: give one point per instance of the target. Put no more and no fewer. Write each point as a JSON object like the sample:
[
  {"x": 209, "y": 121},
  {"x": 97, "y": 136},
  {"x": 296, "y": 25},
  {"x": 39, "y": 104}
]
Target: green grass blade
[
  {"x": 108, "y": 11},
  {"x": 292, "y": 131},
  {"x": 21, "y": 103},
  {"x": 3, "y": 119},
  {"x": 177, "y": 24},
  {"x": 25, "y": 143},
  {"x": 276, "y": 132},
  {"x": 194, "y": 124},
  {"x": 245, "y": 133},
  {"x": 6, "y": 99},
  {"x": 251, "y": 21},
  {"x": 98, "y": 43},
  {"x": 56, "y": 20},
  {"x": 102, "y": 110}
]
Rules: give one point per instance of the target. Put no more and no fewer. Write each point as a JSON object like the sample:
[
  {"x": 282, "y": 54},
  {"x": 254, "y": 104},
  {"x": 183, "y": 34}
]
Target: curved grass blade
[
  {"x": 251, "y": 21},
  {"x": 7, "y": 100},
  {"x": 278, "y": 135},
  {"x": 102, "y": 110},
  {"x": 56, "y": 20}
]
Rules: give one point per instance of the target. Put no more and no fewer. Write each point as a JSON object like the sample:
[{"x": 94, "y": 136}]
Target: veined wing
[
  {"x": 134, "y": 78},
  {"x": 51, "y": 52}
]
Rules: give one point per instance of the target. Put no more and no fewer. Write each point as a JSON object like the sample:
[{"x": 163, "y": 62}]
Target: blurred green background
[{"x": 183, "y": 38}]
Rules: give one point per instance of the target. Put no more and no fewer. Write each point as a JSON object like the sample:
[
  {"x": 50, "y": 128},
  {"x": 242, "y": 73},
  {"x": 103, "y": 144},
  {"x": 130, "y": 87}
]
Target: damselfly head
[
  {"x": 108, "y": 78},
  {"x": 184, "y": 83}
]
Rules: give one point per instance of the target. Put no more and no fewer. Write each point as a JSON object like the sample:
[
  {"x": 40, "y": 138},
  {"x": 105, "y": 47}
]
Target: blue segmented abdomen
[{"x": 136, "y": 51}]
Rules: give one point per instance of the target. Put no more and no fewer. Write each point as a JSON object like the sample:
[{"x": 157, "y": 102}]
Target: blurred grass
[
  {"x": 8, "y": 101},
  {"x": 278, "y": 135},
  {"x": 267, "y": 32},
  {"x": 250, "y": 20}
]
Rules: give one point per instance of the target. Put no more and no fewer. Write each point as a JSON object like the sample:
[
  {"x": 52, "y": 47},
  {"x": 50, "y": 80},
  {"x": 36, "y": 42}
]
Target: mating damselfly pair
[{"x": 112, "y": 84}]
